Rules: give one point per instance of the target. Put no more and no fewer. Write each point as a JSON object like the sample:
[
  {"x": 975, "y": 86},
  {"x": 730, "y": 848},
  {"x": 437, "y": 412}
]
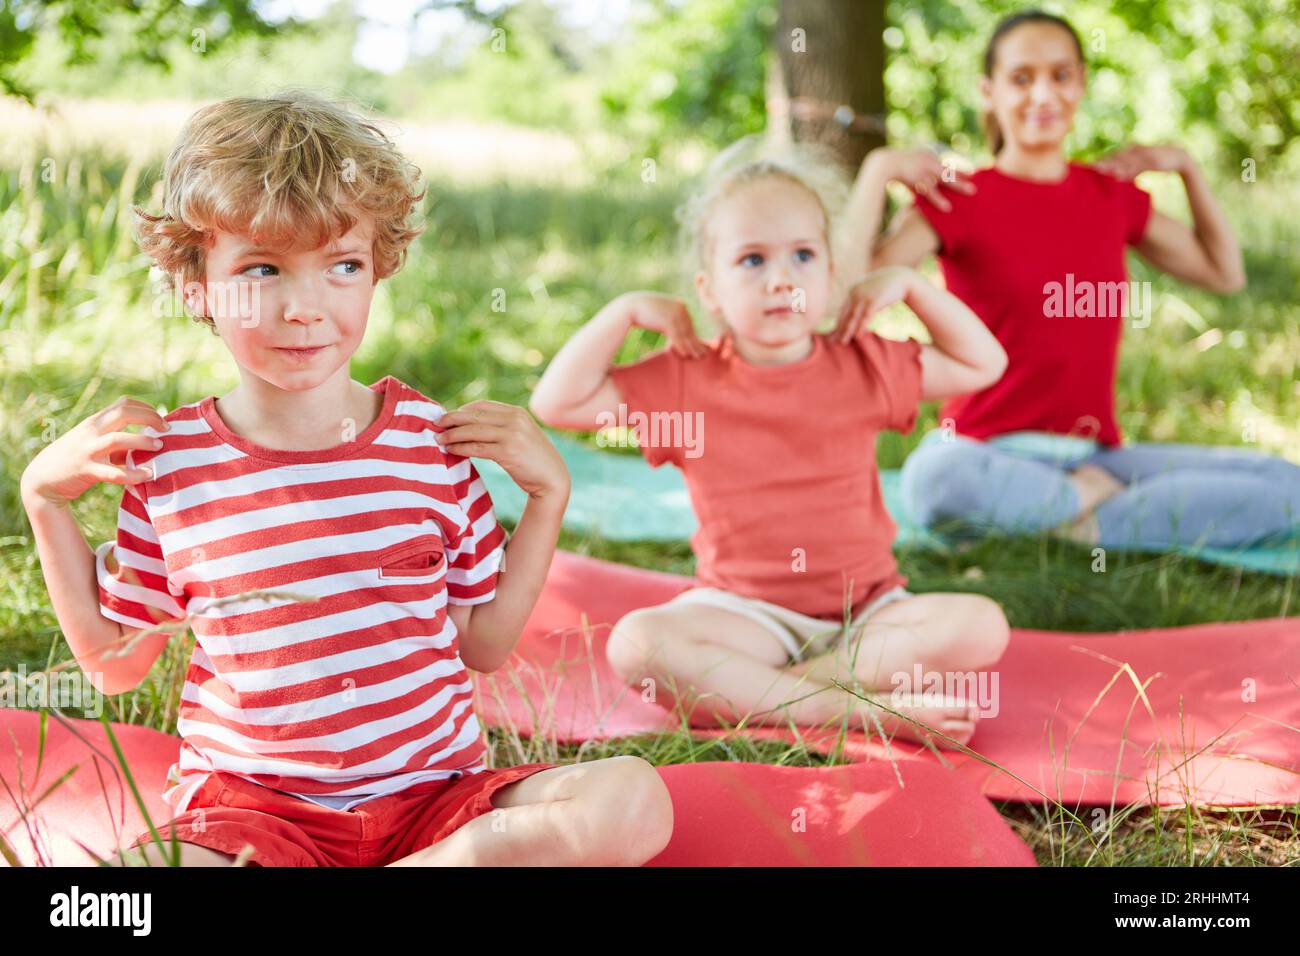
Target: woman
[{"x": 1035, "y": 245}]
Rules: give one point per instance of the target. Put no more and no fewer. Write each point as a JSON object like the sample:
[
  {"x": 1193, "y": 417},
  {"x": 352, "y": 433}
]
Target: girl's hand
[
  {"x": 879, "y": 290},
  {"x": 94, "y": 451},
  {"x": 507, "y": 435},
  {"x": 1127, "y": 162},
  {"x": 669, "y": 316},
  {"x": 923, "y": 172}
]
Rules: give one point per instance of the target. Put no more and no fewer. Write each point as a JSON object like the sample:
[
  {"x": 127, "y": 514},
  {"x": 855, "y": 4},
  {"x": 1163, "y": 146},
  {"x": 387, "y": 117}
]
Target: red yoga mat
[
  {"x": 1222, "y": 728},
  {"x": 724, "y": 814}
]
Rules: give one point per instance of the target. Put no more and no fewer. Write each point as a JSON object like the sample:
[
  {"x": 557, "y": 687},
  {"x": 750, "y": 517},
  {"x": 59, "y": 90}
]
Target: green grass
[{"x": 78, "y": 329}]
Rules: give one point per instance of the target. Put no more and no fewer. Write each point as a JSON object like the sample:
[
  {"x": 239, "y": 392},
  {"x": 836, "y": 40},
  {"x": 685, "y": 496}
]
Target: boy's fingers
[
  {"x": 131, "y": 414},
  {"x": 475, "y": 449},
  {"x": 483, "y": 408},
  {"x": 120, "y": 441},
  {"x": 471, "y": 416},
  {"x": 476, "y": 431},
  {"x": 117, "y": 476}
]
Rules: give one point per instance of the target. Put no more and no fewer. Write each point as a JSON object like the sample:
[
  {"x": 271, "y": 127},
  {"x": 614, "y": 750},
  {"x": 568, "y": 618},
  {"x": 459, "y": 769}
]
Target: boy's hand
[
  {"x": 879, "y": 290},
  {"x": 667, "y": 315},
  {"x": 93, "y": 451},
  {"x": 507, "y": 435}
]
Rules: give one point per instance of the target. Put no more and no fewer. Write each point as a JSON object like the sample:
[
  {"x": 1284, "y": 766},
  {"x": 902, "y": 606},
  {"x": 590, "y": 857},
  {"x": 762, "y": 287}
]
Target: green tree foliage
[
  {"x": 692, "y": 69},
  {"x": 521, "y": 65},
  {"x": 1219, "y": 78},
  {"x": 81, "y": 26}
]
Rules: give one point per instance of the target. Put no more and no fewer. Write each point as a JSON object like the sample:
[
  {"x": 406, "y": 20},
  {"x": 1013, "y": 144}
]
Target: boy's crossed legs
[
  {"x": 610, "y": 812},
  {"x": 724, "y": 667}
]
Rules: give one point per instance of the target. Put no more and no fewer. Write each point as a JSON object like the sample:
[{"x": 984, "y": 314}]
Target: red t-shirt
[
  {"x": 359, "y": 691},
  {"x": 1040, "y": 263},
  {"x": 780, "y": 463}
]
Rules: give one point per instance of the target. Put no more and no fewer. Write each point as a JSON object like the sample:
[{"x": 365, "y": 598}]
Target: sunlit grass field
[{"x": 81, "y": 324}]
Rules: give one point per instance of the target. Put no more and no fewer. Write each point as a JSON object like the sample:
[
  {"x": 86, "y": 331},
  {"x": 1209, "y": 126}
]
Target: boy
[{"x": 331, "y": 545}]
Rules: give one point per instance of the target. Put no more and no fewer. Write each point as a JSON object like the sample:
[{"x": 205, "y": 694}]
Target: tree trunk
[{"x": 831, "y": 54}]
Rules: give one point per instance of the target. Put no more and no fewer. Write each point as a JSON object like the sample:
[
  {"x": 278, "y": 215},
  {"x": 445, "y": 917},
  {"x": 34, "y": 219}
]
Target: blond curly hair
[{"x": 286, "y": 169}]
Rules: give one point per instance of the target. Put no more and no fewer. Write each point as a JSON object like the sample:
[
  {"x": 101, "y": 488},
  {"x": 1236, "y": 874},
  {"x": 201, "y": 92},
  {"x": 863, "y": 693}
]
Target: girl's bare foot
[{"x": 950, "y": 717}]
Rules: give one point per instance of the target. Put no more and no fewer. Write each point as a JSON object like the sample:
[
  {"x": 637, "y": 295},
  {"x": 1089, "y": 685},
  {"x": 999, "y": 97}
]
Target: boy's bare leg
[
  {"x": 722, "y": 668},
  {"x": 611, "y": 812},
  {"x": 191, "y": 855}
]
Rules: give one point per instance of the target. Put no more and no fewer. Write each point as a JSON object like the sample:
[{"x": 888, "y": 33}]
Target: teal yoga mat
[{"x": 620, "y": 497}]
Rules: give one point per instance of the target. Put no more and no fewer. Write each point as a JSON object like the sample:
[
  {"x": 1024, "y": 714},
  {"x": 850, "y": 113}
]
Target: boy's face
[
  {"x": 769, "y": 272},
  {"x": 293, "y": 318}
]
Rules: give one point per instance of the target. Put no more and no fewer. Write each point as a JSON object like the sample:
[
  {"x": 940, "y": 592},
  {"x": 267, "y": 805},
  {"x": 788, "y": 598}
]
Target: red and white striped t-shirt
[{"x": 355, "y": 695}]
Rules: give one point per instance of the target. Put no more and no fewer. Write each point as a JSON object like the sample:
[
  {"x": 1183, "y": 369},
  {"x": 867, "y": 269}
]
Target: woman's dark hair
[{"x": 991, "y": 130}]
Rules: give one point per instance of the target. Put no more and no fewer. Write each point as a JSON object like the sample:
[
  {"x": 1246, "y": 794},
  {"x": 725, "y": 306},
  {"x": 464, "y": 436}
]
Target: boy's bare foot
[{"x": 956, "y": 720}]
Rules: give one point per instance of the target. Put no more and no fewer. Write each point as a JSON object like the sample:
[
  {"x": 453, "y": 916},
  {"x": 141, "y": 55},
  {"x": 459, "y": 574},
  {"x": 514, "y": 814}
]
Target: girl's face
[
  {"x": 294, "y": 318},
  {"x": 1036, "y": 84},
  {"x": 769, "y": 266}
]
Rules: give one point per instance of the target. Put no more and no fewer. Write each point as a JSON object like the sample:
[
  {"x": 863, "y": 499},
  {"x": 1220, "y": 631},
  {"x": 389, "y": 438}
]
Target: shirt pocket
[{"x": 424, "y": 558}]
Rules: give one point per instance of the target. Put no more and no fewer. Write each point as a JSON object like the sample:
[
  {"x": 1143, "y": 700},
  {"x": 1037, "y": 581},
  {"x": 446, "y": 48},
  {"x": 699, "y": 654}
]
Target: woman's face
[
  {"x": 1036, "y": 84},
  {"x": 769, "y": 266}
]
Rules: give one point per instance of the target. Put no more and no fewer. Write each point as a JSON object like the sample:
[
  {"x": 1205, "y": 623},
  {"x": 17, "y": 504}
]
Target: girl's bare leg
[
  {"x": 942, "y": 633},
  {"x": 722, "y": 668}
]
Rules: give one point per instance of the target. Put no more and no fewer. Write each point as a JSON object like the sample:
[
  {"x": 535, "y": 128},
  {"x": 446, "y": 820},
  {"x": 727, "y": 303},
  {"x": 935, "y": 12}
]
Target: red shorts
[{"x": 229, "y": 812}]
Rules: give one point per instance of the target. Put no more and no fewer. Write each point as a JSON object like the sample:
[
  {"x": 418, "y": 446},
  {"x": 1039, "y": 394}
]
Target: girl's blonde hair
[
  {"x": 286, "y": 169},
  {"x": 750, "y": 160}
]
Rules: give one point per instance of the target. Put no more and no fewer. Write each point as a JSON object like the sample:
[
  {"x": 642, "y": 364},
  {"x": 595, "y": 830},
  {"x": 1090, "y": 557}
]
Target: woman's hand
[
  {"x": 93, "y": 451},
  {"x": 878, "y": 291},
  {"x": 1128, "y": 161},
  {"x": 669, "y": 316},
  {"x": 923, "y": 172},
  {"x": 507, "y": 435}
]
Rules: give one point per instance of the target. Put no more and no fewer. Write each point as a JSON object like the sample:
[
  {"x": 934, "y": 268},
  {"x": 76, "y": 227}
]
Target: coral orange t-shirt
[
  {"x": 1041, "y": 264},
  {"x": 780, "y": 463}
]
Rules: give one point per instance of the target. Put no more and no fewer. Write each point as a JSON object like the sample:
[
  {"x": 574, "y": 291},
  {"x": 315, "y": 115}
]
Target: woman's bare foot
[
  {"x": 1083, "y": 529},
  {"x": 1094, "y": 486},
  {"x": 955, "y": 719}
]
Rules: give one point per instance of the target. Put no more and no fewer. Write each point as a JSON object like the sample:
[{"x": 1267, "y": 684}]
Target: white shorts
[{"x": 802, "y": 636}]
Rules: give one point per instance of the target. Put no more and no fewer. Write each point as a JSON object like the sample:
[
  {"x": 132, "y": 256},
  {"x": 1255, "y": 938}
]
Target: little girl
[{"x": 793, "y": 548}]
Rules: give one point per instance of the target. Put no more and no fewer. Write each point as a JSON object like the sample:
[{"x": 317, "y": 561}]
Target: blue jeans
[{"x": 1177, "y": 494}]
